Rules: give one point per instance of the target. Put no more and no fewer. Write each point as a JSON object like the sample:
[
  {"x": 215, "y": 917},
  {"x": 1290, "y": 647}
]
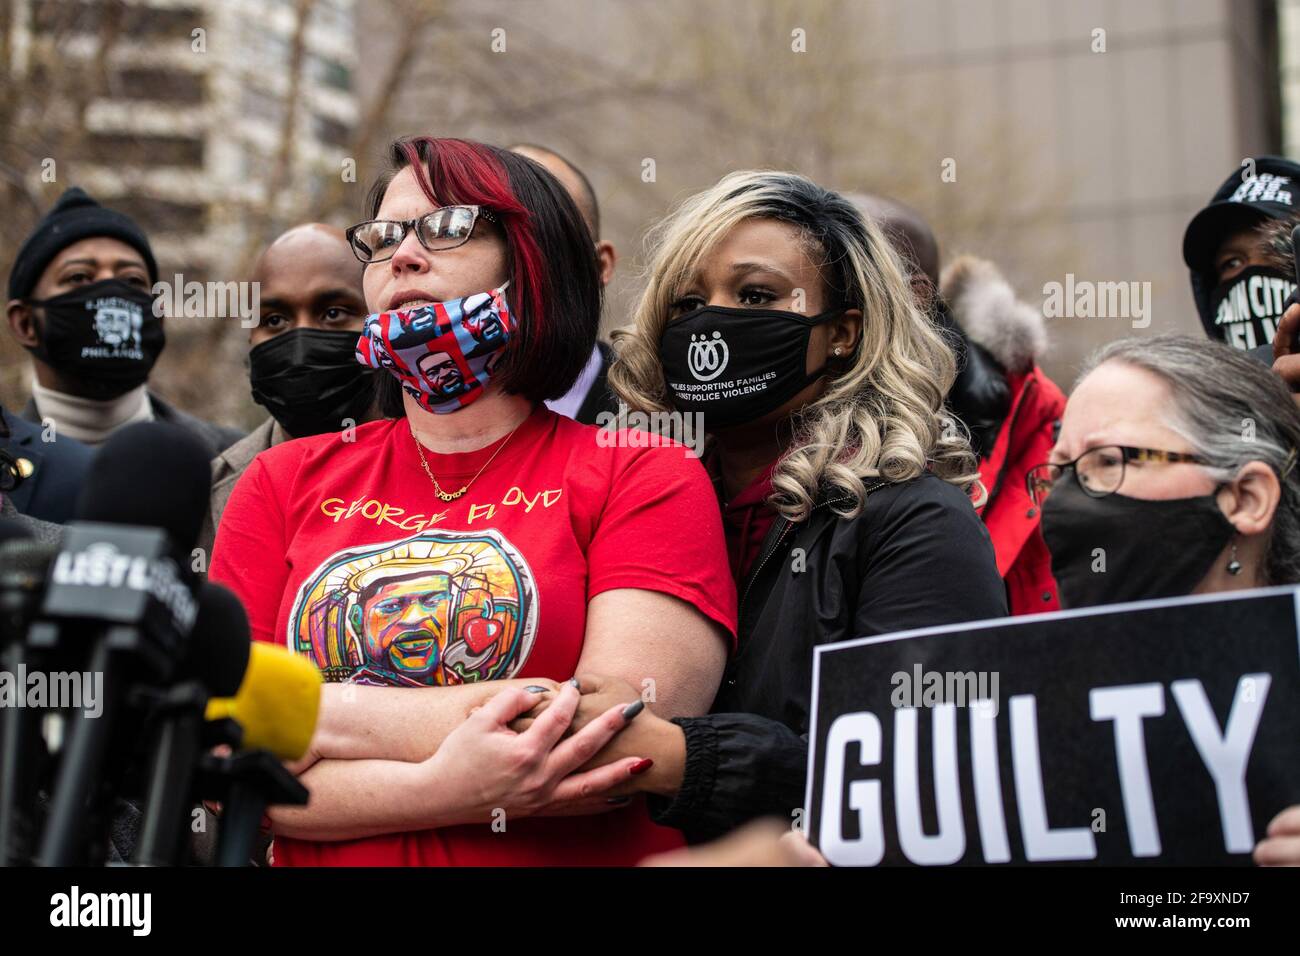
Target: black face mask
[
  {"x": 310, "y": 380},
  {"x": 104, "y": 335},
  {"x": 737, "y": 365},
  {"x": 1148, "y": 549},
  {"x": 1247, "y": 308}
]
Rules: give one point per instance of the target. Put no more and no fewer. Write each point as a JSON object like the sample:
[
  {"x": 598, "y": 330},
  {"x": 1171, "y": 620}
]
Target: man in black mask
[
  {"x": 1239, "y": 292},
  {"x": 81, "y": 301},
  {"x": 302, "y": 358}
]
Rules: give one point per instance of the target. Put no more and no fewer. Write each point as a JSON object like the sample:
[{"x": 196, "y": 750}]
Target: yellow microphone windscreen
[{"x": 277, "y": 703}]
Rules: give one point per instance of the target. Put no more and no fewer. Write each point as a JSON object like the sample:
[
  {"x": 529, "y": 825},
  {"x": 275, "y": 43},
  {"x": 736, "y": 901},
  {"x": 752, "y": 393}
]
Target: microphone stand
[
  {"x": 246, "y": 784},
  {"x": 179, "y": 715}
]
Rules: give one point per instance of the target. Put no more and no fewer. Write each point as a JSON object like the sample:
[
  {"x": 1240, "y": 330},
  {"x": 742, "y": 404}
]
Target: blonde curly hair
[{"x": 881, "y": 415}]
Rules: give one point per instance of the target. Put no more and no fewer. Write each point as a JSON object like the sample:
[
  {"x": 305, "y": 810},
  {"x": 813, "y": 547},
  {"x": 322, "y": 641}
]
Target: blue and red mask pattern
[{"x": 443, "y": 354}]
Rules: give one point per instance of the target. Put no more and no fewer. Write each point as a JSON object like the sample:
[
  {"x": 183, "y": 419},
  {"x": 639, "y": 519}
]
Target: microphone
[
  {"x": 217, "y": 657},
  {"x": 23, "y": 755},
  {"x": 121, "y": 577},
  {"x": 276, "y": 705},
  {"x": 150, "y": 475},
  {"x": 23, "y": 564},
  {"x": 220, "y": 645}
]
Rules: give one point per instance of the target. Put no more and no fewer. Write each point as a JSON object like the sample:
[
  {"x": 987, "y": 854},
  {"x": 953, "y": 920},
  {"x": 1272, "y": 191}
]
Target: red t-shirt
[{"x": 342, "y": 552}]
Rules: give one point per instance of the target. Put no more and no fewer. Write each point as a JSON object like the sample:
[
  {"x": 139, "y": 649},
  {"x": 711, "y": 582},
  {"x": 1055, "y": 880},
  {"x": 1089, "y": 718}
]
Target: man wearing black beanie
[{"x": 81, "y": 302}]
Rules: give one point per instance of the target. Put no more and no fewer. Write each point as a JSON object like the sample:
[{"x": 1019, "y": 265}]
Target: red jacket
[
  {"x": 1013, "y": 332},
  {"x": 1025, "y": 439}
]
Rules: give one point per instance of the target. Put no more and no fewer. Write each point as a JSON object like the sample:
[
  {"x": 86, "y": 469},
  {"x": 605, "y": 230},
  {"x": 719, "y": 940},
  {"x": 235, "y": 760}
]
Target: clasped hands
[
  {"x": 539, "y": 747},
  {"x": 544, "y": 748}
]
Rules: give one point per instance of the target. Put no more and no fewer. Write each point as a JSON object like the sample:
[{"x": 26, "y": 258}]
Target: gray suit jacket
[{"x": 227, "y": 468}]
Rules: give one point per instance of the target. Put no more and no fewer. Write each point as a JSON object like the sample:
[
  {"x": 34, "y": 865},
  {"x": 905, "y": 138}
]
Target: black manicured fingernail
[
  {"x": 574, "y": 682},
  {"x": 618, "y": 801},
  {"x": 632, "y": 709},
  {"x": 535, "y": 689}
]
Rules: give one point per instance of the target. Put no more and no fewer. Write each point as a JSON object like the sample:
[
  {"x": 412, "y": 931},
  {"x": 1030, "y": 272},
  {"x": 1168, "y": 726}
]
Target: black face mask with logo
[
  {"x": 737, "y": 365},
  {"x": 310, "y": 380},
  {"x": 1247, "y": 308},
  {"x": 104, "y": 335},
  {"x": 1118, "y": 548}
]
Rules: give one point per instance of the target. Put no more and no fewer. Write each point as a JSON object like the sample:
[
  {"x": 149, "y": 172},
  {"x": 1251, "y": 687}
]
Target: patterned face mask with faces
[{"x": 443, "y": 354}]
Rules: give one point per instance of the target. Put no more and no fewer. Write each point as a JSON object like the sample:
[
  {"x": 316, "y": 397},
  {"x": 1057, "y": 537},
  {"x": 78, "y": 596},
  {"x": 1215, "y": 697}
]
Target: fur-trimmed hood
[{"x": 983, "y": 303}]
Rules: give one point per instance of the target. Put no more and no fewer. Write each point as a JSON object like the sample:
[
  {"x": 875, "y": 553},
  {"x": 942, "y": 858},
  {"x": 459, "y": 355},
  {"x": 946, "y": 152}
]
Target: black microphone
[
  {"x": 121, "y": 578},
  {"x": 151, "y": 475},
  {"x": 23, "y": 563},
  {"x": 220, "y": 644},
  {"x": 214, "y": 667},
  {"x": 23, "y": 755}
]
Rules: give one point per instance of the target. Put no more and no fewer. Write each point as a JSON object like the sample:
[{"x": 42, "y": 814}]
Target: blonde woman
[{"x": 848, "y": 497}]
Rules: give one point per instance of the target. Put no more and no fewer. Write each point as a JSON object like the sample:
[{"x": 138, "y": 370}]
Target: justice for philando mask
[
  {"x": 1248, "y": 307},
  {"x": 443, "y": 354},
  {"x": 105, "y": 333},
  {"x": 737, "y": 365}
]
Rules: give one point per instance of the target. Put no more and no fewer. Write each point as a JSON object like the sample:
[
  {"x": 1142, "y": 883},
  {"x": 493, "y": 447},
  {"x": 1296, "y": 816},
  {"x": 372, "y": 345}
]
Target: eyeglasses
[
  {"x": 1100, "y": 470},
  {"x": 445, "y": 228}
]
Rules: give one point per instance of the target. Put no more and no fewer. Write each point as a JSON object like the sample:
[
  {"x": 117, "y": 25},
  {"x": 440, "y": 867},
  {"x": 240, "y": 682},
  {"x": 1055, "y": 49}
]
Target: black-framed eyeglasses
[
  {"x": 1100, "y": 470},
  {"x": 445, "y": 228}
]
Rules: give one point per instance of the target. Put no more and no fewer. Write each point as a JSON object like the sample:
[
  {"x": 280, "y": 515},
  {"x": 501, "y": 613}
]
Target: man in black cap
[
  {"x": 81, "y": 301},
  {"x": 1239, "y": 289}
]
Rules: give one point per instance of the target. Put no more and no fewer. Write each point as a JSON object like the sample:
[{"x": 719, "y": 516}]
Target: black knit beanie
[{"x": 74, "y": 217}]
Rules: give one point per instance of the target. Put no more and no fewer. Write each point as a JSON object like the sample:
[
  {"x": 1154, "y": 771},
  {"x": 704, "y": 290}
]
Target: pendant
[{"x": 449, "y": 497}]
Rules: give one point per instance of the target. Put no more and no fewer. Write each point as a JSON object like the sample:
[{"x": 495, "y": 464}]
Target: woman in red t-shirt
[{"x": 473, "y": 540}]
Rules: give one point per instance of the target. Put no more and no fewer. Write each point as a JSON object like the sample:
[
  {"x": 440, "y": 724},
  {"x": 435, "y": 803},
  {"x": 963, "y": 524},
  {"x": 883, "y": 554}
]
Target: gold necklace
[{"x": 437, "y": 488}]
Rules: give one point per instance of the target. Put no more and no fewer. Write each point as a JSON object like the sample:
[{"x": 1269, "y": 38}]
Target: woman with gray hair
[
  {"x": 1175, "y": 473},
  {"x": 1175, "y": 468}
]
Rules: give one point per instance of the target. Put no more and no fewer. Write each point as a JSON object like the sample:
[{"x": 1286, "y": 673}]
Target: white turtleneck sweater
[{"x": 89, "y": 420}]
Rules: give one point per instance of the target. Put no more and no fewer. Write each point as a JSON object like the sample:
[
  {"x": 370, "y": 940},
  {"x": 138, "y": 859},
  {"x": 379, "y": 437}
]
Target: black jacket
[
  {"x": 54, "y": 469},
  {"x": 600, "y": 400},
  {"x": 917, "y": 556},
  {"x": 216, "y": 438},
  {"x": 980, "y": 395}
]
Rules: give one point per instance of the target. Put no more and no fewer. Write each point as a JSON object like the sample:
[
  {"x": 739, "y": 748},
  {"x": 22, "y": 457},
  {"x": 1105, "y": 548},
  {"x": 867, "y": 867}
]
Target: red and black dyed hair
[{"x": 551, "y": 258}]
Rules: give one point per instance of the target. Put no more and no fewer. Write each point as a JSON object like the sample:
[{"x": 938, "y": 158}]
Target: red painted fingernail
[{"x": 641, "y": 766}]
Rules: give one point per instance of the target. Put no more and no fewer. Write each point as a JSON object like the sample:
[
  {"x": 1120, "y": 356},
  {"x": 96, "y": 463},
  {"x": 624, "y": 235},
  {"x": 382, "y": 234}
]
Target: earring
[
  {"x": 1234, "y": 566},
  {"x": 837, "y": 351}
]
